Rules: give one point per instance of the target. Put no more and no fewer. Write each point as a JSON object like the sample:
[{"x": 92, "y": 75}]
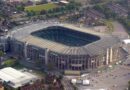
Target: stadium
[{"x": 65, "y": 47}]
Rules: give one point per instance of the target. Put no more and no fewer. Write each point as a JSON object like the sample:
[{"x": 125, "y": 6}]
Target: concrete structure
[
  {"x": 42, "y": 51},
  {"x": 14, "y": 78}
]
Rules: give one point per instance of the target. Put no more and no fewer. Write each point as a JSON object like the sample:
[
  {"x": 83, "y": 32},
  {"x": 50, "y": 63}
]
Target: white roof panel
[{"x": 16, "y": 77}]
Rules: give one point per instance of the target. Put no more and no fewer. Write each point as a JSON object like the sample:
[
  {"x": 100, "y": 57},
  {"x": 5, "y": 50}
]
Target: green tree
[
  {"x": 9, "y": 63},
  {"x": 38, "y": 63},
  {"x": 50, "y": 66},
  {"x": 31, "y": 13},
  {"x": 1, "y": 55},
  {"x": 109, "y": 25},
  {"x": 20, "y": 7},
  {"x": 129, "y": 85}
]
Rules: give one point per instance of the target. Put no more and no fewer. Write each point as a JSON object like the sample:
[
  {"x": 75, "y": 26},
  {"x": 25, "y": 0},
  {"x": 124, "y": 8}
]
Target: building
[
  {"x": 38, "y": 85},
  {"x": 14, "y": 78},
  {"x": 1, "y": 86},
  {"x": 11, "y": 1},
  {"x": 92, "y": 17},
  {"x": 65, "y": 47},
  {"x": 80, "y": 81},
  {"x": 126, "y": 45},
  {"x": 64, "y": 2},
  {"x": 36, "y": 0},
  {"x": 91, "y": 13},
  {"x": 119, "y": 10},
  {"x": 128, "y": 1}
]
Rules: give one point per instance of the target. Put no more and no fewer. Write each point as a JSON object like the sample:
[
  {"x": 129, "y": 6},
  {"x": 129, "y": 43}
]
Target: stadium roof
[
  {"x": 15, "y": 78},
  {"x": 94, "y": 48}
]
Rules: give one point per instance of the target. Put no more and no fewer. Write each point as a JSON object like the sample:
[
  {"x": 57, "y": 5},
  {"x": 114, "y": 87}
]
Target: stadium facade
[{"x": 68, "y": 49}]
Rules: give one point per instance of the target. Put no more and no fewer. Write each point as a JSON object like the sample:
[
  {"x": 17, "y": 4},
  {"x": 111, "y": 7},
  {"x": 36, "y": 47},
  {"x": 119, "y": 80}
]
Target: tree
[
  {"x": 10, "y": 62},
  {"x": 110, "y": 26},
  {"x": 1, "y": 55},
  {"x": 20, "y": 7},
  {"x": 100, "y": 8},
  {"x": 31, "y": 13},
  {"x": 38, "y": 63},
  {"x": 43, "y": 12},
  {"x": 50, "y": 66},
  {"x": 129, "y": 85}
]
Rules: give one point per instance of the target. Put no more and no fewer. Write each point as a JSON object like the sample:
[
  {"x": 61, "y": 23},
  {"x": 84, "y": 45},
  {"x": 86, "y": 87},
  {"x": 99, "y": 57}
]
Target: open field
[{"x": 38, "y": 8}]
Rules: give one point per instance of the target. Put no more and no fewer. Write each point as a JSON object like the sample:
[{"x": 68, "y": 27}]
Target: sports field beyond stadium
[{"x": 38, "y": 8}]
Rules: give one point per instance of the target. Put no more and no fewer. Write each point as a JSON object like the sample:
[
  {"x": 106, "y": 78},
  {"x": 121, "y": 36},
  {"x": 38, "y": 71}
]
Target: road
[
  {"x": 67, "y": 84},
  {"x": 119, "y": 30}
]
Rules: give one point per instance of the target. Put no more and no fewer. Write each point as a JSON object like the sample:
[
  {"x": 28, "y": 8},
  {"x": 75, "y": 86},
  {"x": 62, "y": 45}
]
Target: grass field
[{"x": 38, "y": 8}]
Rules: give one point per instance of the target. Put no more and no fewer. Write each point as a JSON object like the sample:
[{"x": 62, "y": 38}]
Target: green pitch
[{"x": 38, "y": 8}]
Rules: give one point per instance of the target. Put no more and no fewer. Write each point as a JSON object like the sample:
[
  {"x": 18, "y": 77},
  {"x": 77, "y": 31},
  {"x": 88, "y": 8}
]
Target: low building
[
  {"x": 92, "y": 17},
  {"x": 95, "y": 14},
  {"x": 128, "y": 3},
  {"x": 64, "y": 2},
  {"x": 11, "y": 1},
  {"x": 86, "y": 82},
  {"x": 126, "y": 45},
  {"x": 35, "y": 0},
  {"x": 38, "y": 85},
  {"x": 14, "y": 78},
  {"x": 80, "y": 81},
  {"x": 1, "y": 86},
  {"x": 119, "y": 10}
]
